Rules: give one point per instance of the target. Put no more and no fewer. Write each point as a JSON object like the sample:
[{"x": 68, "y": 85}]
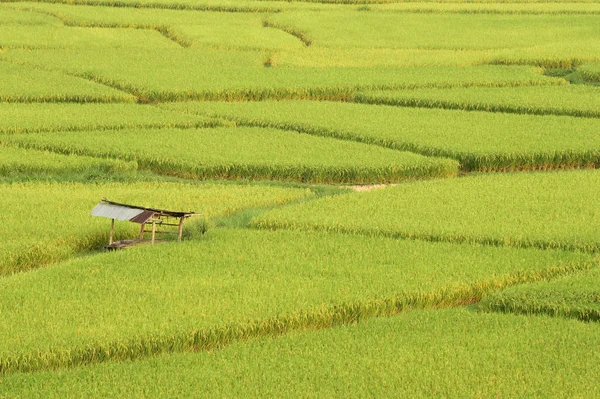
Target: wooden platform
[{"x": 129, "y": 243}]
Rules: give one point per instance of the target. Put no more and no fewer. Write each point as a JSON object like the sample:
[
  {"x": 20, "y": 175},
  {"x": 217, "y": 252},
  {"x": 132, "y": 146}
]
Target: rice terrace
[{"x": 382, "y": 198}]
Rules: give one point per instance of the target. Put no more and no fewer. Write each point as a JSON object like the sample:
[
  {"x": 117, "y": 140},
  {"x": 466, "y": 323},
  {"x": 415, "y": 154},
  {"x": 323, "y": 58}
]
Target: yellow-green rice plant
[
  {"x": 543, "y": 210},
  {"x": 234, "y": 285},
  {"x": 245, "y": 153}
]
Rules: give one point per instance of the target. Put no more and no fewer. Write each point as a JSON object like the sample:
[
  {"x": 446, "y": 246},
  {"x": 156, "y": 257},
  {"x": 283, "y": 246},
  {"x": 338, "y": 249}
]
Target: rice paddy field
[{"x": 392, "y": 198}]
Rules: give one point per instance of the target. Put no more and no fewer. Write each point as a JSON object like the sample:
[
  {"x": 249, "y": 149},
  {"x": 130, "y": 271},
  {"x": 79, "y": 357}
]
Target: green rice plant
[
  {"x": 576, "y": 296},
  {"x": 545, "y": 210},
  {"x": 49, "y": 222},
  {"x": 58, "y": 117},
  {"x": 244, "y": 153},
  {"x": 22, "y": 162},
  {"x": 480, "y": 141},
  {"x": 25, "y": 84},
  {"x": 241, "y": 75},
  {"x": 573, "y": 100},
  {"x": 449, "y": 353},
  {"x": 237, "y": 284},
  {"x": 590, "y": 72}
]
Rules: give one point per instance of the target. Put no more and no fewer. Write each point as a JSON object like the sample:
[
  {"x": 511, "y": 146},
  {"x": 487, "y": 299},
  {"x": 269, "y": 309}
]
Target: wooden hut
[{"x": 157, "y": 218}]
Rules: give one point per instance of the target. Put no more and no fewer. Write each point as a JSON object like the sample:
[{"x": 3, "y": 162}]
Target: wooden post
[
  {"x": 180, "y": 232},
  {"x": 112, "y": 232},
  {"x": 153, "y": 229},
  {"x": 142, "y": 231}
]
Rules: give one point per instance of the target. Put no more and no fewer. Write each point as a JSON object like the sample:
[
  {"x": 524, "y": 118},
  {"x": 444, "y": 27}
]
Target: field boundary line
[
  {"x": 464, "y": 106},
  {"x": 325, "y": 316},
  {"x": 164, "y": 30},
  {"x": 215, "y": 122},
  {"x": 453, "y": 239},
  {"x": 236, "y": 171},
  {"x": 481, "y": 11},
  {"x": 326, "y": 93},
  {"x": 582, "y": 314},
  {"x": 165, "y": 6},
  {"x": 129, "y": 90},
  {"x": 559, "y": 63},
  {"x": 297, "y": 33},
  {"x": 469, "y": 162}
]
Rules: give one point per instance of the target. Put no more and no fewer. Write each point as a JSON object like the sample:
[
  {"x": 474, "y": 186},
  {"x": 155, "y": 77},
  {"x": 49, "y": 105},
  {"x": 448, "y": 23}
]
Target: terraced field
[{"x": 394, "y": 198}]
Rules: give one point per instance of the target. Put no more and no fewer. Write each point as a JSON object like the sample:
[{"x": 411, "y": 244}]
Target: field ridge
[
  {"x": 267, "y": 224},
  {"x": 465, "y": 106}
]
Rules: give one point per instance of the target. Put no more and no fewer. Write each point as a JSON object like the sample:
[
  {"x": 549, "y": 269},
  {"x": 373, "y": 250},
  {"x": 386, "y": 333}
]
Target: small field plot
[
  {"x": 35, "y": 117},
  {"x": 237, "y": 284},
  {"x": 245, "y": 153},
  {"x": 47, "y": 222},
  {"x": 479, "y": 140},
  {"x": 513, "y": 7},
  {"x": 559, "y": 40},
  {"x": 188, "y": 28},
  {"x": 239, "y": 75},
  {"x": 576, "y": 296},
  {"x": 443, "y": 353},
  {"x": 555, "y": 209},
  {"x": 231, "y": 6},
  {"x": 22, "y": 163},
  {"x": 475, "y": 31},
  {"x": 352, "y": 57},
  {"x": 574, "y": 100},
  {"x": 10, "y": 16},
  {"x": 50, "y": 36},
  {"x": 24, "y": 84}
]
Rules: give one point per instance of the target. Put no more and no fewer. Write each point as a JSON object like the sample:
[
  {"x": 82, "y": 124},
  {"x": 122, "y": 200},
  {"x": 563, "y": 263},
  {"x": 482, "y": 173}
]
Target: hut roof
[{"x": 133, "y": 213}]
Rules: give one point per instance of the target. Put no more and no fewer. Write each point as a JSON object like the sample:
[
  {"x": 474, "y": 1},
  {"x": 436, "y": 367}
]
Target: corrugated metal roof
[
  {"x": 162, "y": 212},
  {"x": 113, "y": 211},
  {"x": 142, "y": 217}
]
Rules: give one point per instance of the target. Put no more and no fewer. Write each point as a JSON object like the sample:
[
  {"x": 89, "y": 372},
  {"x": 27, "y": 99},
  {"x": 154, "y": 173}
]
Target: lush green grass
[
  {"x": 479, "y": 140},
  {"x": 245, "y": 153},
  {"x": 24, "y": 84},
  {"x": 574, "y": 100},
  {"x": 29, "y": 118},
  {"x": 17, "y": 162},
  {"x": 576, "y": 296},
  {"x": 549, "y": 210},
  {"x": 237, "y": 75},
  {"x": 50, "y": 221},
  {"x": 236, "y": 284},
  {"x": 450, "y": 353}
]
